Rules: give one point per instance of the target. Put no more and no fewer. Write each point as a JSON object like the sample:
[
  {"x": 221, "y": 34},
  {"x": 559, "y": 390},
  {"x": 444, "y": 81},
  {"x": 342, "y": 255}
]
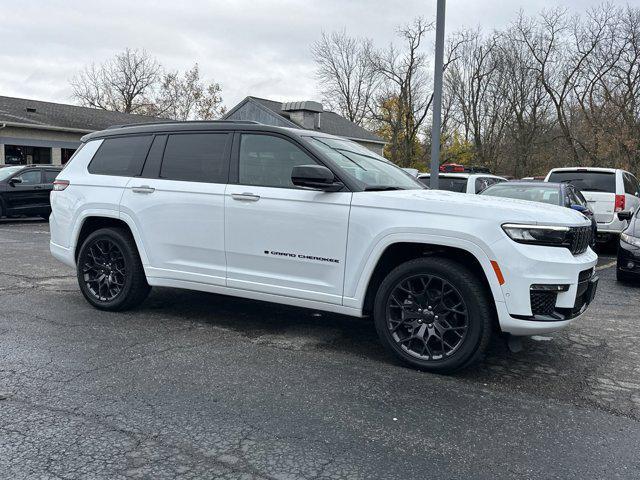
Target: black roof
[
  {"x": 330, "y": 123},
  {"x": 48, "y": 114}
]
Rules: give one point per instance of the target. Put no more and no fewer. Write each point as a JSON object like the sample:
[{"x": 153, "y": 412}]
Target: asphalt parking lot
[{"x": 195, "y": 385}]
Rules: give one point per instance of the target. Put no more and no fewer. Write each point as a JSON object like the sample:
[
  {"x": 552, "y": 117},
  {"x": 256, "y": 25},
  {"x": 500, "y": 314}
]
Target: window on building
[
  {"x": 25, "y": 155},
  {"x": 196, "y": 157},
  {"x": 121, "y": 156},
  {"x": 66, "y": 154}
]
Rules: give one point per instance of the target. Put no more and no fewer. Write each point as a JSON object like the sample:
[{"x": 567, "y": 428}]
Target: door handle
[
  {"x": 37, "y": 187},
  {"x": 245, "y": 197},
  {"x": 143, "y": 189}
]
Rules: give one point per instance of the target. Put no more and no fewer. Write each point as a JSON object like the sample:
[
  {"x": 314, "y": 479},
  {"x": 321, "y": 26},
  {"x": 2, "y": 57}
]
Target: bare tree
[
  {"x": 123, "y": 83},
  {"x": 346, "y": 74},
  {"x": 404, "y": 98},
  {"x": 186, "y": 97}
]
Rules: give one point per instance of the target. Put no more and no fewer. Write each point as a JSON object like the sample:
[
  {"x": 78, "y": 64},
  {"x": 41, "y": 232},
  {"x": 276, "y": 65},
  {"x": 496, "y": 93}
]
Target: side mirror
[
  {"x": 15, "y": 181},
  {"x": 579, "y": 208},
  {"x": 625, "y": 216},
  {"x": 316, "y": 177}
]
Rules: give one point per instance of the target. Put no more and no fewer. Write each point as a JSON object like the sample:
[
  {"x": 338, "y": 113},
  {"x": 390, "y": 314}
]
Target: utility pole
[{"x": 437, "y": 96}]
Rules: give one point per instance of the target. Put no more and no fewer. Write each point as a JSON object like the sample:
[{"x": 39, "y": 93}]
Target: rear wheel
[
  {"x": 110, "y": 273},
  {"x": 434, "y": 314}
]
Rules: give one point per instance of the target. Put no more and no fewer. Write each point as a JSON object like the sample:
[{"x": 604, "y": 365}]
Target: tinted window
[
  {"x": 267, "y": 161},
  {"x": 587, "y": 181},
  {"x": 30, "y": 177},
  {"x": 482, "y": 183},
  {"x": 50, "y": 176},
  {"x": 123, "y": 156},
  {"x": 452, "y": 184},
  {"x": 630, "y": 184},
  {"x": 196, "y": 157}
]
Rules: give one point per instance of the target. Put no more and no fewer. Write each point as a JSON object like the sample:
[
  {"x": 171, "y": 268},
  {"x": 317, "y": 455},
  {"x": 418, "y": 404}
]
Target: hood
[{"x": 465, "y": 205}]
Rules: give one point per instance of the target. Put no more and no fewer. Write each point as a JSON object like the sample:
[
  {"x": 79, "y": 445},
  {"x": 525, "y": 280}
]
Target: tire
[
  {"x": 117, "y": 269},
  {"x": 476, "y": 311}
]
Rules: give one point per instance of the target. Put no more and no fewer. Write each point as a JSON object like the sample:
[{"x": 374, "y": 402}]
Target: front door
[
  {"x": 281, "y": 239},
  {"x": 27, "y": 195}
]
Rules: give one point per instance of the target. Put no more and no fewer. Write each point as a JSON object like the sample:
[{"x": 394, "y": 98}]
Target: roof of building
[
  {"x": 330, "y": 123},
  {"x": 61, "y": 116}
]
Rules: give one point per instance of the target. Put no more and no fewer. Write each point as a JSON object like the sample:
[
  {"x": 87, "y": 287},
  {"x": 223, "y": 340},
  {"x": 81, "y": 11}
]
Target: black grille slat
[
  {"x": 543, "y": 303},
  {"x": 580, "y": 239}
]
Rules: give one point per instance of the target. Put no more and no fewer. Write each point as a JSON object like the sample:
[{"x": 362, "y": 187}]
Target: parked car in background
[
  {"x": 628, "y": 267},
  {"x": 562, "y": 194},
  {"x": 463, "y": 182},
  {"x": 608, "y": 191},
  {"x": 25, "y": 189}
]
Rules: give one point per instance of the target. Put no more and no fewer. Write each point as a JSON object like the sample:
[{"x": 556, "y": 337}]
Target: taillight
[
  {"x": 59, "y": 185},
  {"x": 620, "y": 203}
]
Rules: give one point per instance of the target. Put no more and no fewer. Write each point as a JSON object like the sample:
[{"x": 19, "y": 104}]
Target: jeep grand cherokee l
[{"x": 307, "y": 219}]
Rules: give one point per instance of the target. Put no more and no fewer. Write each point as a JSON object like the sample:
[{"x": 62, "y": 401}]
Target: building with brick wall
[{"x": 35, "y": 132}]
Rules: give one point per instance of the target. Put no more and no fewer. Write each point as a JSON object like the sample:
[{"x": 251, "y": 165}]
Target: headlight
[
  {"x": 548, "y": 235},
  {"x": 635, "y": 241}
]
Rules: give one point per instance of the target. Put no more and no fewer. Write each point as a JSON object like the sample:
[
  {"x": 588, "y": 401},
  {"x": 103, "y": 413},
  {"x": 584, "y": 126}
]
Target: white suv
[
  {"x": 307, "y": 219},
  {"x": 463, "y": 182},
  {"x": 608, "y": 191}
]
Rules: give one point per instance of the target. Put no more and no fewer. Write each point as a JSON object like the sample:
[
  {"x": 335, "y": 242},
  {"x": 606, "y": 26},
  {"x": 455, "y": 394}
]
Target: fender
[{"x": 355, "y": 297}]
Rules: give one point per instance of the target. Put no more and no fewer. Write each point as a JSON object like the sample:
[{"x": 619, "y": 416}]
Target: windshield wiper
[{"x": 381, "y": 188}]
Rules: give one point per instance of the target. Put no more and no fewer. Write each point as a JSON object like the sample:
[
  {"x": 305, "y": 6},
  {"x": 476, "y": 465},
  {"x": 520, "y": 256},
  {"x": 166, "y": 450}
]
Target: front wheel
[
  {"x": 110, "y": 273},
  {"x": 434, "y": 314}
]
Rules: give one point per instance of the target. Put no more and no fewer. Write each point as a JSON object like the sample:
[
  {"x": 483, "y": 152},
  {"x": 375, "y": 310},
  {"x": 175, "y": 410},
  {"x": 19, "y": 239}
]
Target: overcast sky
[{"x": 258, "y": 47}]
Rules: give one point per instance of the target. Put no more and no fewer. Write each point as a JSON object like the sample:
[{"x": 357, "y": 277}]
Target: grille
[
  {"x": 580, "y": 238},
  {"x": 543, "y": 303}
]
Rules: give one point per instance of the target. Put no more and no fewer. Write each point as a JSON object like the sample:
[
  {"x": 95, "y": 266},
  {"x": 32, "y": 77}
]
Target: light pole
[{"x": 437, "y": 95}]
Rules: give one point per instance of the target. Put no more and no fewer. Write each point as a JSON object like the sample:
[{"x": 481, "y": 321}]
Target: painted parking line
[{"x": 606, "y": 265}]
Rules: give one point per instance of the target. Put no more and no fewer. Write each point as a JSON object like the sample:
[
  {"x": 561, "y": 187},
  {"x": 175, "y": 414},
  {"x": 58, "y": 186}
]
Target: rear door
[
  {"x": 598, "y": 188},
  {"x": 177, "y": 205}
]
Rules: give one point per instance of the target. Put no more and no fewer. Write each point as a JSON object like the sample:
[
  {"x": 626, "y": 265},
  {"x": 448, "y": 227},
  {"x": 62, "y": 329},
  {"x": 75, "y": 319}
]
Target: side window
[
  {"x": 50, "y": 176},
  {"x": 482, "y": 183},
  {"x": 629, "y": 187},
  {"x": 635, "y": 182},
  {"x": 196, "y": 157},
  {"x": 30, "y": 177},
  {"x": 267, "y": 161},
  {"x": 121, "y": 156}
]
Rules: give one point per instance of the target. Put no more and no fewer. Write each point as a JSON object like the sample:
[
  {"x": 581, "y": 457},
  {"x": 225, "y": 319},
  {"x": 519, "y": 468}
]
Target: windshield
[
  {"x": 533, "y": 192},
  {"x": 587, "y": 181},
  {"x": 6, "y": 172},
  {"x": 371, "y": 170}
]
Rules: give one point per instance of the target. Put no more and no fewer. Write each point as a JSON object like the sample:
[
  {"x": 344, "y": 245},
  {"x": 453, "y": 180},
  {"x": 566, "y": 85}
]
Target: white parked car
[
  {"x": 463, "y": 182},
  {"x": 608, "y": 191},
  {"x": 306, "y": 219}
]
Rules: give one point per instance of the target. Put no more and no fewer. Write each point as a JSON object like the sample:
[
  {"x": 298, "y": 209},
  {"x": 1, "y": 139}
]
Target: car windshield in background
[
  {"x": 6, "y": 172},
  {"x": 587, "y": 181},
  {"x": 535, "y": 192},
  {"x": 372, "y": 170}
]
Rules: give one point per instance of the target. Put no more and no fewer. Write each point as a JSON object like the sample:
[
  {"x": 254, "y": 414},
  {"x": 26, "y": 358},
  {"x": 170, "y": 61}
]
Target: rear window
[
  {"x": 587, "y": 181},
  {"x": 122, "y": 156},
  {"x": 452, "y": 184},
  {"x": 196, "y": 157},
  {"x": 534, "y": 192}
]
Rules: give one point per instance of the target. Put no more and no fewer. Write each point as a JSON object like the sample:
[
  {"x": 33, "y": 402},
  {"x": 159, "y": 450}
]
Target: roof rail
[{"x": 170, "y": 122}]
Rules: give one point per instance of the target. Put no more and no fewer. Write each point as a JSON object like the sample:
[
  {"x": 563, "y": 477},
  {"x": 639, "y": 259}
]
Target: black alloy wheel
[
  {"x": 427, "y": 317},
  {"x": 434, "y": 314},
  {"x": 104, "y": 270}
]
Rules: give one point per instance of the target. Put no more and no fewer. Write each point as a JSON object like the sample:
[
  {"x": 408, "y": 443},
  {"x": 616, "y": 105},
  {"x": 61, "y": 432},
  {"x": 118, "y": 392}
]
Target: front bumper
[
  {"x": 526, "y": 265},
  {"x": 628, "y": 259}
]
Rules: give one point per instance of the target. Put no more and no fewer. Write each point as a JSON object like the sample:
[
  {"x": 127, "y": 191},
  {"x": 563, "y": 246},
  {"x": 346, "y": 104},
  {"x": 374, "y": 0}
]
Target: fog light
[
  {"x": 631, "y": 265},
  {"x": 549, "y": 288}
]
